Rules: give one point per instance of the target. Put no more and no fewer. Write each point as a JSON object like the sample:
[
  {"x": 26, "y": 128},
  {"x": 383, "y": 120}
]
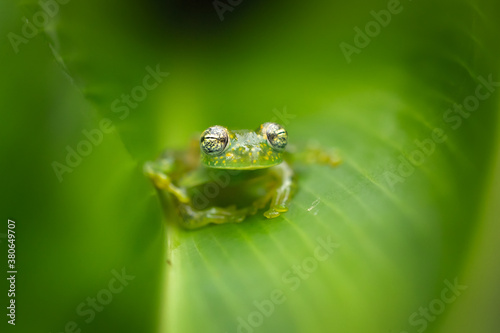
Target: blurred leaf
[{"x": 402, "y": 228}]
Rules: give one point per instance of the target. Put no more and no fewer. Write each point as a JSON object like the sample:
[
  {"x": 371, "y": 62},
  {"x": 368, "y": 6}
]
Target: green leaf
[{"x": 365, "y": 246}]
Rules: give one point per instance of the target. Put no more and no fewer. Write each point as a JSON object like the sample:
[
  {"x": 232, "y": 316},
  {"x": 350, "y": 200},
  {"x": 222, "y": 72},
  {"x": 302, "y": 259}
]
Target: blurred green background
[{"x": 400, "y": 235}]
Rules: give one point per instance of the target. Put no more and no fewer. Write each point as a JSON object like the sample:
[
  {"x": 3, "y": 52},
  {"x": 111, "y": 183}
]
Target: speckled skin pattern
[{"x": 245, "y": 150}]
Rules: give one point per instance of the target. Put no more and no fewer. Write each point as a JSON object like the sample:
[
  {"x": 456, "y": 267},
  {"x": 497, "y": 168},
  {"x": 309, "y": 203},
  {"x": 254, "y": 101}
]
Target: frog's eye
[
  {"x": 276, "y": 135},
  {"x": 214, "y": 140}
]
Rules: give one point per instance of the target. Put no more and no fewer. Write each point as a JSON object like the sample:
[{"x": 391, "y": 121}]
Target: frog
[{"x": 227, "y": 175}]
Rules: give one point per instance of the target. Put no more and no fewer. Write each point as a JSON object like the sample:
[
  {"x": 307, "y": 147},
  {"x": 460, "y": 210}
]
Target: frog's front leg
[
  {"x": 283, "y": 194},
  {"x": 314, "y": 153},
  {"x": 192, "y": 218},
  {"x": 158, "y": 172}
]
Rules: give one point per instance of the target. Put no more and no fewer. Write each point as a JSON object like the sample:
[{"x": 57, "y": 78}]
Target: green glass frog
[{"x": 226, "y": 175}]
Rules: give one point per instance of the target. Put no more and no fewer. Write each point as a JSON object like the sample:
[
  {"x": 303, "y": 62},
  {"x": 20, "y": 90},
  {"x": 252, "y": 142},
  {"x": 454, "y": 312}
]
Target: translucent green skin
[
  {"x": 247, "y": 176},
  {"x": 213, "y": 193},
  {"x": 246, "y": 150}
]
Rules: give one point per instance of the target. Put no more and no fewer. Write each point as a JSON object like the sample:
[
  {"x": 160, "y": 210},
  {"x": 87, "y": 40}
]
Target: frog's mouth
[
  {"x": 231, "y": 163},
  {"x": 249, "y": 167}
]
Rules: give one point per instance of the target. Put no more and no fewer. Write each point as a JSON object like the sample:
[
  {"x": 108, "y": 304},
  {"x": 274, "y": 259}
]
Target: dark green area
[{"x": 401, "y": 228}]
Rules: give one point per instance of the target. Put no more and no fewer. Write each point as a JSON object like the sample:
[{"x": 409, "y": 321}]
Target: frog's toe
[
  {"x": 271, "y": 214},
  {"x": 280, "y": 208}
]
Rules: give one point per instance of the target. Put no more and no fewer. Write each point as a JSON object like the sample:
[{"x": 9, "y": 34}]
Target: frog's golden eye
[
  {"x": 214, "y": 140},
  {"x": 276, "y": 135}
]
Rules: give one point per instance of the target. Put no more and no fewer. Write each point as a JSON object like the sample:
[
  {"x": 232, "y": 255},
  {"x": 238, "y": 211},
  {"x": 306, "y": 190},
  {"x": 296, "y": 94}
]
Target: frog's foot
[
  {"x": 283, "y": 194},
  {"x": 275, "y": 211},
  {"x": 193, "y": 219},
  {"x": 155, "y": 171},
  {"x": 317, "y": 154}
]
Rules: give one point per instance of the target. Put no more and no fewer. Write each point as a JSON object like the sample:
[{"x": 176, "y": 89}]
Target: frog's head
[{"x": 243, "y": 149}]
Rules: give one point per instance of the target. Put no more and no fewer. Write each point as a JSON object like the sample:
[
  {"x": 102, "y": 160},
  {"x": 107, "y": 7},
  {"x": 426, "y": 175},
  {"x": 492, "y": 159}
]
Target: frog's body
[{"x": 237, "y": 173}]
